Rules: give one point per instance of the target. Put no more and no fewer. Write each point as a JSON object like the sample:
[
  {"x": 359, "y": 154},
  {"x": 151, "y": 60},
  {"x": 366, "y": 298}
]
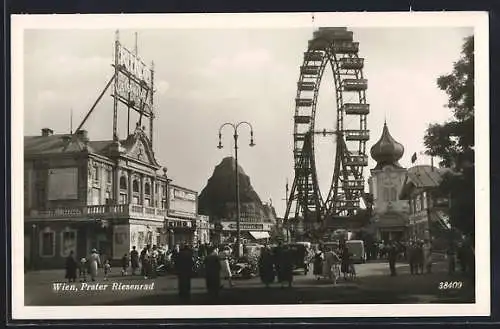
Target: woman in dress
[
  {"x": 225, "y": 268},
  {"x": 318, "y": 264},
  {"x": 71, "y": 267},
  {"x": 95, "y": 263},
  {"x": 266, "y": 266}
]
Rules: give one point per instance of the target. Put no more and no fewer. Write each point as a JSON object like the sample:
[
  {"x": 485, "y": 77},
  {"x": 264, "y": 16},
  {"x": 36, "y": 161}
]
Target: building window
[
  {"x": 96, "y": 196},
  {"x": 123, "y": 198},
  {"x": 123, "y": 183},
  {"x": 147, "y": 202},
  {"x": 147, "y": 189},
  {"x": 108, "y": 198},
  {"x": 47, "y": 243},
  {"x": 135, "y": 186},
  {"x": 68, "y": 242},
  {"x": 135, "y": 200},
  {"x": 95, "y": 173},
  {"x": 109, "y": 177}
]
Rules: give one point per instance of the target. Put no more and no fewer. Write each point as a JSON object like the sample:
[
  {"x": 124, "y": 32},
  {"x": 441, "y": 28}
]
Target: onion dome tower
[{"x": 387, "y": 151}]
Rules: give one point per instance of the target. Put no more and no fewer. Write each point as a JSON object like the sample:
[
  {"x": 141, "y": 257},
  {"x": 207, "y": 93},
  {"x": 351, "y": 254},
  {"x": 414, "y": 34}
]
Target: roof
[
  {"x": 39, "y": 145},
  {"x": 422, "y": 177}
]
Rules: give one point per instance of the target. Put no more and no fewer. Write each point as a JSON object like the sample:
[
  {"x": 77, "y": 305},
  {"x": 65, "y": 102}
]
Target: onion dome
[{"x": 387, "y": 151}]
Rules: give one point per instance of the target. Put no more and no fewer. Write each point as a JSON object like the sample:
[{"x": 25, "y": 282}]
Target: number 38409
[{"x": 443, "y": 285}]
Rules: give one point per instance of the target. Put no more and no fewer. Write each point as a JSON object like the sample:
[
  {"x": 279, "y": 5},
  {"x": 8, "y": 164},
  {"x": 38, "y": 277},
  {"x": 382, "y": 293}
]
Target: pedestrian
[
  {"x": 420, "y": 257},
  {"x": 329, "y": 264},
  {"x": 285, "y": 271},
  {"x": 107, "y": 269},
  {"x": 427, "y": 253},
  {"x": 318, "y": 264},
  {"x": 212, "y": 272},
  {"x": 266, "y": 266},
  {"x": 392, "y": 257},
  {"x": 95, "y": 263},
  {"x": 412, "y": 253},
  {"x": 125, "y": 264},
  {"x": 71, "y": 267},
  {"x": 226, "y": 274},
  {"x": 346, "y": 262},
  {"x": 134, "y": 260},
  {"x": 184, "y": 266},
  {"x": 83, "y": 266}
]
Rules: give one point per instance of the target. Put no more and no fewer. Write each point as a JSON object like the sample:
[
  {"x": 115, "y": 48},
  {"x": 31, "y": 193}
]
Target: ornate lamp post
[{"x": 237, "y": 181}]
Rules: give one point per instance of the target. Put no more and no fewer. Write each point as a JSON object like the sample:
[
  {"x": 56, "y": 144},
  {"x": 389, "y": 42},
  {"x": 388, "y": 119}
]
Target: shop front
[{"x": 250, "y": 232}]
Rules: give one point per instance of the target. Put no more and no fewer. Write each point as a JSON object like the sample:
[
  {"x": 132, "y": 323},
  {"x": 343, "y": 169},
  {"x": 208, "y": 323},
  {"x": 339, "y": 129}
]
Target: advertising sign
[
  {"x": 133, "y": 81},
  {"x": 231, "y": 226},
  {"x": 63, "y": 184},
  {"x": 182, "y": 202}
]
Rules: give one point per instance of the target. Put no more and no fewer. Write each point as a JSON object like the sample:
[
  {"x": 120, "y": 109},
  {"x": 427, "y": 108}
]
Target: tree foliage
[{"x": 453, "y": 141}]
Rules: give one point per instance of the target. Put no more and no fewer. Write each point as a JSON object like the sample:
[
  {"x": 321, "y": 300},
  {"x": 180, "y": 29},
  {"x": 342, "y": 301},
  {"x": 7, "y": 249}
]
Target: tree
[{"x": 453, "y": 141}]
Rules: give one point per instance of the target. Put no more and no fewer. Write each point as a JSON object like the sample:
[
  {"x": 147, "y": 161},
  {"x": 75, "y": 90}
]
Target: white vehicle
[{"x": 357, "y": 249}]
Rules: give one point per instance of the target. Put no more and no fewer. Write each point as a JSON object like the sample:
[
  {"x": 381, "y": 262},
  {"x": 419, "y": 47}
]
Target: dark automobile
[{"x": 301, "y": 256}]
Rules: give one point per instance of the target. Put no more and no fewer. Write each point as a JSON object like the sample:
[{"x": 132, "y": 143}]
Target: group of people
[
  {"x": 276, "y": 263},
  {"x": 330, "y": 262},
  {"x": 85, "y": 267}
]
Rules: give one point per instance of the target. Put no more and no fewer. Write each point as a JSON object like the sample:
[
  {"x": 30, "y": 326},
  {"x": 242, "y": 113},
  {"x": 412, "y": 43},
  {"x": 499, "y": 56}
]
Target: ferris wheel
[{"x": 334, "y": 47}]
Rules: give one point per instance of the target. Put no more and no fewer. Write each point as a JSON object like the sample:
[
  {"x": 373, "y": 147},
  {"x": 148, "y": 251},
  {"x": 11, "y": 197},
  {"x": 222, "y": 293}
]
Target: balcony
[{"x": 101, "y": 211}]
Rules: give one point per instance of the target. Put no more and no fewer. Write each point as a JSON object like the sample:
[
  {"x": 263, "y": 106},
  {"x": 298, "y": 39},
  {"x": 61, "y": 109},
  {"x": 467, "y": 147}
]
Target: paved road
[{"x": 372, "y": 285}]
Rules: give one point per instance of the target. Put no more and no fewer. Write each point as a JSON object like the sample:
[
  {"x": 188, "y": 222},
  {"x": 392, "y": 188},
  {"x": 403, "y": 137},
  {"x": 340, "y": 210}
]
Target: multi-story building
[
  {"x": 428, "y": 207},
  {"x": 390, "y": 212},
  {"x": 109, "y": 195}
]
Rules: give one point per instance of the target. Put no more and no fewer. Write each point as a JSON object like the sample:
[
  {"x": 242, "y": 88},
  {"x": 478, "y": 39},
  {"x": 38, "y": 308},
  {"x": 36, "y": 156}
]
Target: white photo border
[{"x": 477, "y": 20}]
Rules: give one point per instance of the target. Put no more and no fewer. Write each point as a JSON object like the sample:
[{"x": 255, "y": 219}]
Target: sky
[{"x": 206, "y": 77}]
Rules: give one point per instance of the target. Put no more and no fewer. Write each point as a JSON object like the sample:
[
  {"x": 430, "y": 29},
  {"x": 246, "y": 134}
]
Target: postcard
[{"x": 250, "y": 165}]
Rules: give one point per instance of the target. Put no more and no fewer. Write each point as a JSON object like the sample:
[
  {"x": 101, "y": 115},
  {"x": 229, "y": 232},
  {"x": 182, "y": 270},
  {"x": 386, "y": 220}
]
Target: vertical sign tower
[{"x": 133, "y": 87}]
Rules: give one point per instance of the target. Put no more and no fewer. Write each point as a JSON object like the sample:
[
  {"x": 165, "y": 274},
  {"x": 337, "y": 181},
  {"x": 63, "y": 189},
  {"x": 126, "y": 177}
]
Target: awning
[{"x": 260, "y": 235}]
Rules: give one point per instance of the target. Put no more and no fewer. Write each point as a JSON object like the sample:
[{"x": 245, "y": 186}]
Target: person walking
[
  {"x": 107, "y": 269},
  {"x": 412, "y": 252},
  {"x": 95, "y": 263},
  {"x": 125, "y": 264},
  {"x": 346, "y": 261},
  {"x": 451, "y": 255},
  {"x": 212, "y": 272},
  {"x": 224, "y": 257},
  {"x": 392, "y": 257},
  {"x": 427, "y": 253},
  {"x": 83, "y": 266},
  {"x": 71, "y": 267},
  {"x": 420, "y": 257},
  {"x": 134, "y": 260},
  {"x": 184, "y": 267},
  {"x": 285, "y": 271},
  {"x": 266, "y": 266},
  {"x": 318, "y": 264}
]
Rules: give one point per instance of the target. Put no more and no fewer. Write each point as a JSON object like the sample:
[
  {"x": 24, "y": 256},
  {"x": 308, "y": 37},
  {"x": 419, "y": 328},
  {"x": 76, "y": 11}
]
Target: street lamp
[{"x": 235, "y": 135}]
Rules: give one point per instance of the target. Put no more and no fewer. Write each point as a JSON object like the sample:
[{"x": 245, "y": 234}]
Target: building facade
[
  {"x": 428, "y": 209},
  {"x": 390, "y": 212},
  {"x": 81, "y": 194}
]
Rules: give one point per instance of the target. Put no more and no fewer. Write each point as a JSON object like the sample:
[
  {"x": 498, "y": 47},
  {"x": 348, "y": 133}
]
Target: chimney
[
  {"x": 47, "y": 132},
  {"x": 82, "y": 134}
]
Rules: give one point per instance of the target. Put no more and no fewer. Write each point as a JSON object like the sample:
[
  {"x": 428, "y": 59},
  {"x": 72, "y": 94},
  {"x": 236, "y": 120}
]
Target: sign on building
[
  {"x": 63, "y": 184},
  {"x": 182, "y": 203}
]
